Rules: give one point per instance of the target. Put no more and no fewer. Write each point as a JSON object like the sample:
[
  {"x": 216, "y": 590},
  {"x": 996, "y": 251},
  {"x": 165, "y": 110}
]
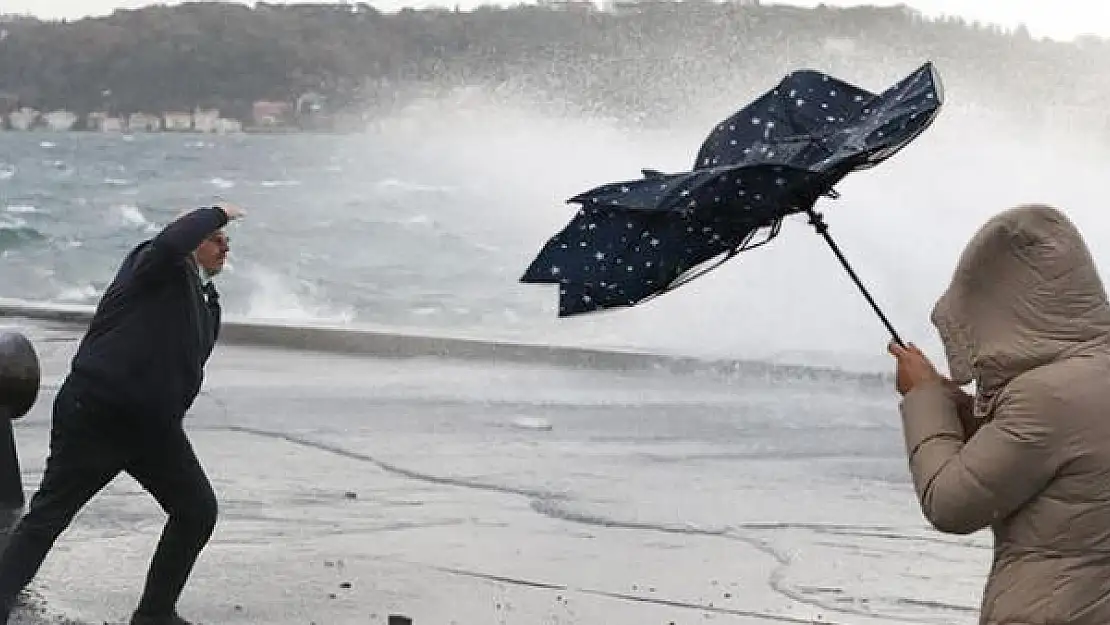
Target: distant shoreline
[
  {"x": 195, "y": 133},
  {"x": 327, "y": 65}
]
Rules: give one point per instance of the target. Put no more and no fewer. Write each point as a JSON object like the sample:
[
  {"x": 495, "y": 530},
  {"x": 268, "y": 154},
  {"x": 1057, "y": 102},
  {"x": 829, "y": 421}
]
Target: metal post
[
  {"x": 818, "y": 223},
  {"x": 11, "y": 481},
  {"x": 11, "y": 478},
  {"x": 19, "y": 388}
]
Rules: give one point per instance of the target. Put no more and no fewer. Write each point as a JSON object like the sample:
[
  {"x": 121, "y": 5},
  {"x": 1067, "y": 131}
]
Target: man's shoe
[{"x": 147, "y": 619}]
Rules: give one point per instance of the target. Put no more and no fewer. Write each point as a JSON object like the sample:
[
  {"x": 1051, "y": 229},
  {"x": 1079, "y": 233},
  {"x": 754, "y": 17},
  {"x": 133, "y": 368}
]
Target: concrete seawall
[{"x": 355, "y": 340}]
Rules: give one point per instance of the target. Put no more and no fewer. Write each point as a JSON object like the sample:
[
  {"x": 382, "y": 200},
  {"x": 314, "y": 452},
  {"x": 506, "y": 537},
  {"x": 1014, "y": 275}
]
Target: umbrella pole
[{"x": 818, "y": 223}]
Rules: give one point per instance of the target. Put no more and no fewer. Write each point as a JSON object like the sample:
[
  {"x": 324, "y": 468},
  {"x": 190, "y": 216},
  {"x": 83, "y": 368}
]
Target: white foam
[
  {"x": 532, "y": 423},
  {"x": 78, "y": 293},
  {"x": 12, "y": 223},
  {"x": 131, "y": 215},
  {"x": 277, "y": 297},
  {"x": 404, "y": 186}
]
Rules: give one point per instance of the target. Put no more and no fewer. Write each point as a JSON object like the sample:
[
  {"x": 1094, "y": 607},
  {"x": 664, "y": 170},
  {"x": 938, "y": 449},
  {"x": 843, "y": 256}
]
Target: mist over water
[
  {"x": 427, "y": 221},
  {"x": 902, "y": 225}
]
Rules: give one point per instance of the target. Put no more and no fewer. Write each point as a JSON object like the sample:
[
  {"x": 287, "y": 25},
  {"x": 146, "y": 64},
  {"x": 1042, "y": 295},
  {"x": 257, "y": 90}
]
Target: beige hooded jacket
[{"x": 1026, "y": 318}]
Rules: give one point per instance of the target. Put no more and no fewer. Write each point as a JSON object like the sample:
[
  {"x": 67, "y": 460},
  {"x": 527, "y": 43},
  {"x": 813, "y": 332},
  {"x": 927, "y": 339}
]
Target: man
[
  {"x": 134, "y": 376},
  {"x": 1026, "y": 318}
]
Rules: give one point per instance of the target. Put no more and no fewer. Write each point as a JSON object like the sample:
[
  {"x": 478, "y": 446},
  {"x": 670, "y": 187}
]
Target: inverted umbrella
[{"x": 635, "y": 240}]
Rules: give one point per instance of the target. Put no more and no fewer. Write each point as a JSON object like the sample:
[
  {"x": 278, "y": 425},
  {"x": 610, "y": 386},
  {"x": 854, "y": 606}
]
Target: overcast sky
[{"x": 1061, "y": 19}]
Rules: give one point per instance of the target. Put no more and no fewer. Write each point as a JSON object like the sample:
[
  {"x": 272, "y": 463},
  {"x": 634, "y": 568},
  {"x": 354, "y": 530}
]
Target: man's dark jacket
[{"x": 154, "y": 328}]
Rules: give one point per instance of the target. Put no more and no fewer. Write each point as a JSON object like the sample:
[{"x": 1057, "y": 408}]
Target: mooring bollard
[{"x": 20, "y": 376}]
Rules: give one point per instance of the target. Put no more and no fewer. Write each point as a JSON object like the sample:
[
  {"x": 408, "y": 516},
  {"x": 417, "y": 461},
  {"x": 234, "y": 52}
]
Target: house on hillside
[
  {"x": 177, "y": 121},
  {"x": 24, "y": 118},
  {"x": 101, "y": 121},
  {"x": 267, "y": 114},
  {"x": 60, "y": 120},
  {"x": 226, "y": 126},
  {"x": 206, "y": 120},
  {"x": 141, "y": 122}
]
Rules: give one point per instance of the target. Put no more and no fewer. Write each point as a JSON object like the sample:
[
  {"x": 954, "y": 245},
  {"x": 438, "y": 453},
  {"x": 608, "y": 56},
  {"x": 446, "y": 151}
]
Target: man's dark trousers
[{"x": 89, "y": 446}]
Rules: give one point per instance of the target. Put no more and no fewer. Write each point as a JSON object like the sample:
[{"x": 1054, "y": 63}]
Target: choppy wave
[
  {"x": 16, "y": 232},
  {"x": 404, "y": 227}
]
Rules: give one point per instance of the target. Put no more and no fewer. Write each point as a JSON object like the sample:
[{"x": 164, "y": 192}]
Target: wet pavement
[{"x": 353, "y": 488}]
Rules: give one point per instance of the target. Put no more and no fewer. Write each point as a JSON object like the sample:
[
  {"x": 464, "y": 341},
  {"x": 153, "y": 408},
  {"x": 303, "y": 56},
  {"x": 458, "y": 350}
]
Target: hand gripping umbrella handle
[{"x": 818, "y": 223}]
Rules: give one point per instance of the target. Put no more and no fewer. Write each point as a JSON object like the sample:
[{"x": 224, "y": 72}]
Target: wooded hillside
[{"x": 637, "y": 59}]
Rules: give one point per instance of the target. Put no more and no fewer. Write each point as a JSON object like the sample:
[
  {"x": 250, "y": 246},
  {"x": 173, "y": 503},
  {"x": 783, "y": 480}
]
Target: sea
[{"x": 423, "y": 224}]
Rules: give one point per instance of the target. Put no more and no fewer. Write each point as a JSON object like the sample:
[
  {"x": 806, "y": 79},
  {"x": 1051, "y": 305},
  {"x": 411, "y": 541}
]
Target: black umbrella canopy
[{"x": 634, "y": 240}]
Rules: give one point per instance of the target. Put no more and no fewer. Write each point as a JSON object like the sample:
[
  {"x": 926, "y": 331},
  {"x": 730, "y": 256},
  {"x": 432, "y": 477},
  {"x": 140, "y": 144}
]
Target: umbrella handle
[{"x": 818, "y": 223}]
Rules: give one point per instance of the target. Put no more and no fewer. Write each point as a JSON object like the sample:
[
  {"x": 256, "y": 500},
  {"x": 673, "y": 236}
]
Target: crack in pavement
[{"x": 542, "y": 503}]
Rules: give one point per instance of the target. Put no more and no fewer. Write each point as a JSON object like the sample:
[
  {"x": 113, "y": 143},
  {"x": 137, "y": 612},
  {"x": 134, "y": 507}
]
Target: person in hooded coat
[{"x": 1026, "y": 319}]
